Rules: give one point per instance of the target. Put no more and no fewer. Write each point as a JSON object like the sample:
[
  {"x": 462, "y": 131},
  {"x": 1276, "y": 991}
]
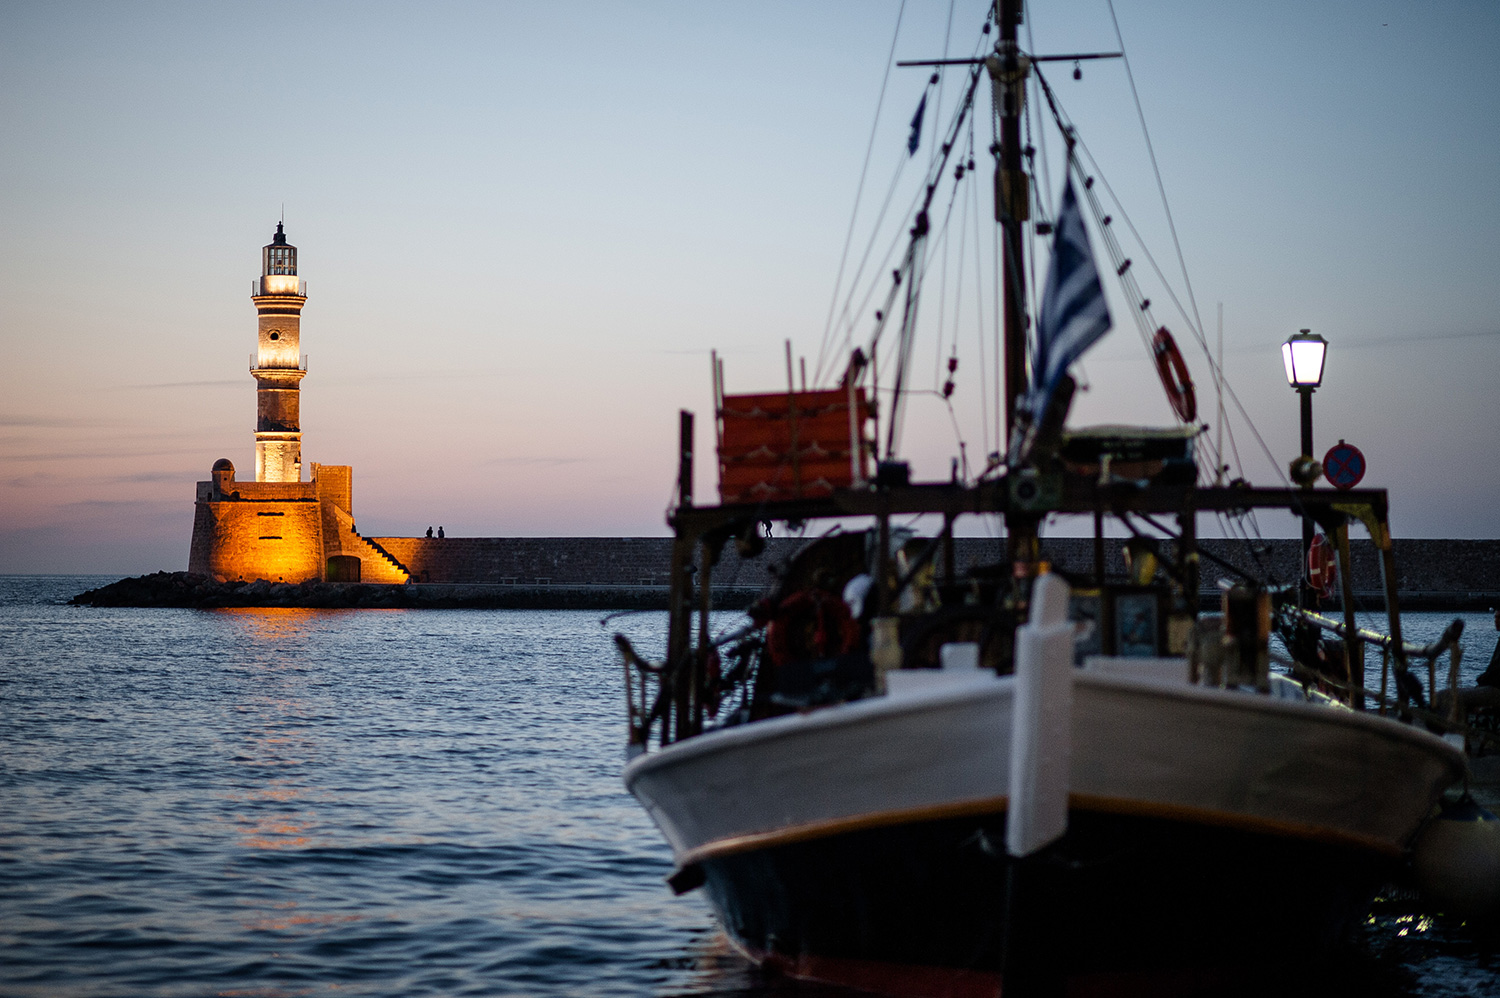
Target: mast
[
  {"x": 1012, "y": 200},
  {"x": 1008, "y": 71}
]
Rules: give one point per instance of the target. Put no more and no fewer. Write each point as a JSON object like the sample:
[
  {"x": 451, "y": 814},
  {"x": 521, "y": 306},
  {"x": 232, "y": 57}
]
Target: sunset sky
[{"x": 524, "y": 226}]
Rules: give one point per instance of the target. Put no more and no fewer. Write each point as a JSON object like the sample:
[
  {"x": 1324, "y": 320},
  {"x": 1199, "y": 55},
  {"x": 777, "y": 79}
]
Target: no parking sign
[{"x": 1344, "y": 465}]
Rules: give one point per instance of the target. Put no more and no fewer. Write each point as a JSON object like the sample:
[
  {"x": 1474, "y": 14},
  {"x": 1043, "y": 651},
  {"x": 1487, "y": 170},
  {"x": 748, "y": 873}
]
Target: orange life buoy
[
  {"x": 1174, "y": 375},
  {"x": 810, "y": 624}
]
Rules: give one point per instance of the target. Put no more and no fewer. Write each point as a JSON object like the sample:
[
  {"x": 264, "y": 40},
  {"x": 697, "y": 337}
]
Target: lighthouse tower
[
  {"x": 278, "y": 527},
  {"x": 278, "y": 366}
]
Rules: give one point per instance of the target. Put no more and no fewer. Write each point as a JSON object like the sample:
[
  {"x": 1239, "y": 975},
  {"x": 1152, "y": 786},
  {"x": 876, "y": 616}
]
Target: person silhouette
[
  {"x": 429, "y": 532},
  {"x": 440, "y": 532}
]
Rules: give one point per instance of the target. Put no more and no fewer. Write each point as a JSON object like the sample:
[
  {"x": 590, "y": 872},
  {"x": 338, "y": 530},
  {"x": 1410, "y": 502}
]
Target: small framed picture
[
  {"x": 1086, "y": 610},
  {"x": 1136, "y": 625}
]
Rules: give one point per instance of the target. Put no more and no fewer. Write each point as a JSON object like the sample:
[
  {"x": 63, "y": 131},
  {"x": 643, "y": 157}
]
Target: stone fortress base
[{"x": 284, "y": 531}]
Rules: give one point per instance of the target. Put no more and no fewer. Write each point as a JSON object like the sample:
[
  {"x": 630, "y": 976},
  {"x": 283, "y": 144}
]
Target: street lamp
[{"x": 1302, "y": 354}]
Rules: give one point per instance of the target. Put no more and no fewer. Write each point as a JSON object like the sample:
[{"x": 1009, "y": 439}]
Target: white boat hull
[{"x": 884, "y": 798}]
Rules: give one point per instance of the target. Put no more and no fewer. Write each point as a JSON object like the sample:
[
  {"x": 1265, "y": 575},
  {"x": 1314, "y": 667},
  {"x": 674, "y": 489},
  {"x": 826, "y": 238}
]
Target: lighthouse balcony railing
[
  {"x": 277, "y": 284},
  {"x": 255, "y": 365}
]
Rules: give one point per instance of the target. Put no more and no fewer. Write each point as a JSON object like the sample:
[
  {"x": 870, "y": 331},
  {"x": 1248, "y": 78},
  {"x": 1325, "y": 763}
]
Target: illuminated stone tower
[{"x": 278, "y": 366}]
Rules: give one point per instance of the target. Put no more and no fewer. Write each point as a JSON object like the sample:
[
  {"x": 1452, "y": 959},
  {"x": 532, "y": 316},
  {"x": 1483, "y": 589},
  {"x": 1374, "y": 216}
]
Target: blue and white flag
[
  {"x": 1073, "y": 313},
  {"x": 916, "y": 127}
]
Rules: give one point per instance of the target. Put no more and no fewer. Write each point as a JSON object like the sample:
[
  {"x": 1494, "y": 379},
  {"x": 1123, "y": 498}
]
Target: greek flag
[{"x": 1073, "y": 312}]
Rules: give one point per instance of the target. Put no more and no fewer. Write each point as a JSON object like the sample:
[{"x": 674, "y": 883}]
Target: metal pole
[
  {"x": 674, "y": 676},
  {"x": 1354, "y": 648},
  {"x": 1306, "y": 392},
  {"x": 1307, "y": 440},
  {"x": 705, "y": 643},
  {"x": 685, "y": 458}
]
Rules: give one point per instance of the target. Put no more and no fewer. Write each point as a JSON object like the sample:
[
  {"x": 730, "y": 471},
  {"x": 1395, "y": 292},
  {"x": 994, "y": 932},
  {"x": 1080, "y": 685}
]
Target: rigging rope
[
  {"x": 1181, "y": 310},
  {"x": 848, "y": 316},
  {"x": 1145, "y": 132},
  {"x": 842, "y": 328},
  {"x": 986, "y": 404},
  {"x": 859, "y": 190},
  {"x": 1096, "y": 174}
]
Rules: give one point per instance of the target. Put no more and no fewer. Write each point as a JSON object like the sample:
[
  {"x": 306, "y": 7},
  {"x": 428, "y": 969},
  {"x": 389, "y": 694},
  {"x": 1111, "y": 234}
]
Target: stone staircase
[{"x": 379, "y": 565}]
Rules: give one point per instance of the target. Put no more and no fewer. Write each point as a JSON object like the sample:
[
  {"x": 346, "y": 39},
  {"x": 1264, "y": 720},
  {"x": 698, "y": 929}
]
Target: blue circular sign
[{"x": 1344, "y": 465}]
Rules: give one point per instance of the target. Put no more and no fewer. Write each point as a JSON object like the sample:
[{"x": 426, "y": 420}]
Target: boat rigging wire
[
  {"x": 848, "y": 316},
  {"x": 937, "y": 359},
  {"x": 1061, "y": 117},
  {"x": 1033, "y": 300},
  {"x": 1082, "y": 146},
  {"x": 947, "y": 42},
  {"x": 945, "y": 347},
  {"x": 915, "y": 257},
  {"x": 1043, "y": 198},
  {"x": 841, "y": 325},
  {"x": 913, "y": 263},
  {"x": 860, "y": 189},
  {"x": 1168, "y": 534},
  {"x": 1151, "y": 151},
  {"x": 942, "y": 239},
  {"x": 1218, "y": 371},
  {"x": 986, "y": 406}
]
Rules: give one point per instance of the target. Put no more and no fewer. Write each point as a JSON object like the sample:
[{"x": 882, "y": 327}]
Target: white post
[{"x": 1041, "y": 743}]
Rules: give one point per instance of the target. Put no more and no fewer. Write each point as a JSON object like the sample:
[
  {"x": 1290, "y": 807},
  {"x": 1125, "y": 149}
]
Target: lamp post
[{"x": 1303, "y": 354}]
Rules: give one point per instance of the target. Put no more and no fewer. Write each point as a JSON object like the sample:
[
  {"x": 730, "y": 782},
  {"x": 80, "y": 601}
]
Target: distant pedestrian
[
  {"x": 440, "y": 533},
  {"x": 429, "y": 533}
]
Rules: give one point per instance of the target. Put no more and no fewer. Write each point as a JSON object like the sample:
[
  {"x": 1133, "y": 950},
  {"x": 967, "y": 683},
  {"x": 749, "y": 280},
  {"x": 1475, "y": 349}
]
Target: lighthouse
[
  {"x": 278, "y": 366},
  {"x": 278, "y": 527}
]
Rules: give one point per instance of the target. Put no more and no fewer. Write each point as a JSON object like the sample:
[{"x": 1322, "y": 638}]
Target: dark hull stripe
[{"x": 750, "y": 842}]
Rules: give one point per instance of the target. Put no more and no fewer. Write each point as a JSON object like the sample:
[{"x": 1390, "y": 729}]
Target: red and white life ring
[
  {"x": 1174, "y": 375},
  {"x": 810, "y": 624}
]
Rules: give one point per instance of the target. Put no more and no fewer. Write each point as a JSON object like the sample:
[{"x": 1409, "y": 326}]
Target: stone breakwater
[
  {"x": 537, "y": 573},
  {"x": 191, "y": 591},
  {"x": 185, "y": 589}
]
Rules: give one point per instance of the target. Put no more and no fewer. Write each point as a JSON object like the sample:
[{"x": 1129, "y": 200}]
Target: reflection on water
[
  {"x": 287, "y": 914},
  {"x": 275, "y": 737},
  {"x": 287, "y": 802},
  {"x": 279, "y": 830}
]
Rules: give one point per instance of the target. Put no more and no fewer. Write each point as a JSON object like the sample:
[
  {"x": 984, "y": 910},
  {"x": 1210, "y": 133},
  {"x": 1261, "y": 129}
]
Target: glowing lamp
[
  {"x": 1302, "y": 354},
  {"x": 279, "y": 284}
]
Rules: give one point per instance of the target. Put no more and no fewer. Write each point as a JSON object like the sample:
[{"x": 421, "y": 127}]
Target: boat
[{"x": 917, "y": 775}]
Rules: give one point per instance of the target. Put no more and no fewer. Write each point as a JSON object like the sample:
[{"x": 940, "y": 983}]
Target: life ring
[
  {"x": 1174, "y": 375},
  {"x": 810, "y": 624}
]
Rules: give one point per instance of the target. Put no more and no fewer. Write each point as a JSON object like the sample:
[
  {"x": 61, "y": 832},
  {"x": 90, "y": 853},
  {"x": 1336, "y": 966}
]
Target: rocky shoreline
[
  {"x": 191, "y": 591},
  {"x": 185, "y": 589}
]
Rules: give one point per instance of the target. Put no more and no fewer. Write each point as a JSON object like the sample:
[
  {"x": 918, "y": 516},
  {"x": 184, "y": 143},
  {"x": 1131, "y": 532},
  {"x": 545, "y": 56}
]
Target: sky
[{"x": 523, "y": 228}]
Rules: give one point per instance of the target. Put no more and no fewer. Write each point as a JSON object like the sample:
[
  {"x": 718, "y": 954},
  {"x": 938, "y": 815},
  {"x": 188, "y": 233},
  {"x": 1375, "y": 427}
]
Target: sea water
[{"x": 372, "y": 802}]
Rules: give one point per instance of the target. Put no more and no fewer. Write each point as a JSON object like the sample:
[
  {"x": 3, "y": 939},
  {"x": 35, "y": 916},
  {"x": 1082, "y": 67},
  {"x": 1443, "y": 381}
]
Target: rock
[{"x": 187, "y": 590}]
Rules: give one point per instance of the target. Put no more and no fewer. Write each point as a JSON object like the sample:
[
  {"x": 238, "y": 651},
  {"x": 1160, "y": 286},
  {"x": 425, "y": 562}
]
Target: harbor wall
[{"x": 1441, "y": 574}]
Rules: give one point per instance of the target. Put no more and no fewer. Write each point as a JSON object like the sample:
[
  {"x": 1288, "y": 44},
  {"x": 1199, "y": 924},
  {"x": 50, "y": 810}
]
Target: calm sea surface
[{"x": 288, "y": 802}]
